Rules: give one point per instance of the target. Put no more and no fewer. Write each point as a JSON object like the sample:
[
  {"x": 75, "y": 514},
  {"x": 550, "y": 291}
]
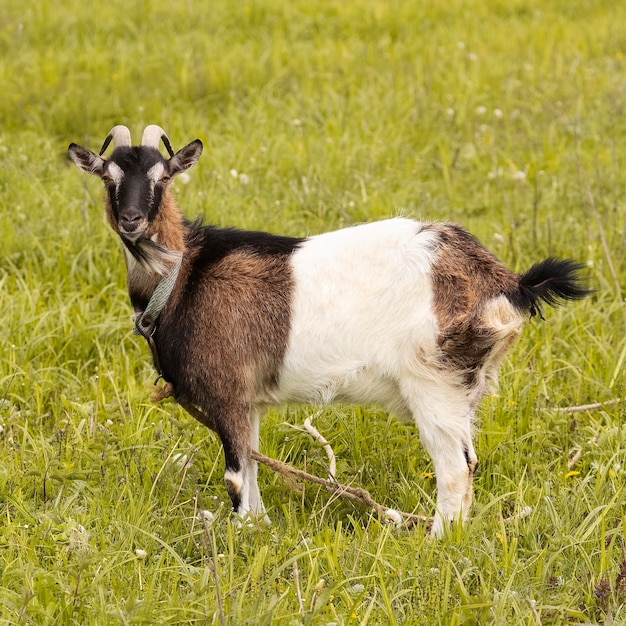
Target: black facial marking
[{"x": 137, "y": 197}]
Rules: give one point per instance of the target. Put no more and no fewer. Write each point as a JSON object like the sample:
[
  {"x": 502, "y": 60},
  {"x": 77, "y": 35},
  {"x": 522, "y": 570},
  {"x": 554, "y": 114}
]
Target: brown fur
[
  {"x": 108, "y": 211},
  {"x": 168, "y": 224},
  {"x": 234, "y": 333},
  {"x": 465, "y": 278}
]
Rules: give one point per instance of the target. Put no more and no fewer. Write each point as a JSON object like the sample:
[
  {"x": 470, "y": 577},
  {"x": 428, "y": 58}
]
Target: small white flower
[
  {"x": 244, "y": 179},
  {"x": 184, "y": 177},
  {"x": 234, "y": 173},
  {"x": 498, "y": 113},
  {"x": 481, "y": 110},
  {"x": 391, "y": 515},
  {"x": 472, "y": 57},
  {"x": 519, "y": 175},
  {"x": 142, "y": 554},
  {"x": 296, "y": 122},
  {"x": 206, "y": 516},
  {"x": 460, "y": 45},
  {"x": 450, "y": 112}
]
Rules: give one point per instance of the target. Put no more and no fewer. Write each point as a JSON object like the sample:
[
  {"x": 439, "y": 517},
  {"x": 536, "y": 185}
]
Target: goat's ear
[
  {"x": 185, "y": 157},
  {"x": 86, "y": 159}
]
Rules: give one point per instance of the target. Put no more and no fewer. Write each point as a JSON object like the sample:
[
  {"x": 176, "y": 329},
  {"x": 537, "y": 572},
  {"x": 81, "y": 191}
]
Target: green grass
[{"x": 507, "y": 117}]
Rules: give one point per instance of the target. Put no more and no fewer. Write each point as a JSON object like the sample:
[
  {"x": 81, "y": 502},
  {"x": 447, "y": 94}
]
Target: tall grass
[{"x": 507, "y": 117}]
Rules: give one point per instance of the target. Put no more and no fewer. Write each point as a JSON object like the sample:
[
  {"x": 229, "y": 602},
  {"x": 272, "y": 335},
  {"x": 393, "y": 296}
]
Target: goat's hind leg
[{"x": 444, "y": 419}]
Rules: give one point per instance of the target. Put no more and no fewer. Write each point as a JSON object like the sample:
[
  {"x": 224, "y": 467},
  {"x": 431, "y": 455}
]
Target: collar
[{"x": 145, "y": 322}]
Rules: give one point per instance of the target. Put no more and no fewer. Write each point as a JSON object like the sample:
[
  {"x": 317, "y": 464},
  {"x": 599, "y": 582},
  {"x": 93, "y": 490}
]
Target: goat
[{"x": 413, "y": 316}]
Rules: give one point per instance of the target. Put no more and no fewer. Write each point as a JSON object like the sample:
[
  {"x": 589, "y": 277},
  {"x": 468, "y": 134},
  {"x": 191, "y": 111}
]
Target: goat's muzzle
[{"x": 132, "y": 225}]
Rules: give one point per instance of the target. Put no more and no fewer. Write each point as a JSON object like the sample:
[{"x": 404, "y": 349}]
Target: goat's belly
[{"x": 356, "y": 383}]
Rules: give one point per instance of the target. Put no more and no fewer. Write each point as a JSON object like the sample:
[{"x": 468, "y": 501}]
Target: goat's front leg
[
  {"x": 236, "y": 435},
  {"x": 240, "y": 435}
]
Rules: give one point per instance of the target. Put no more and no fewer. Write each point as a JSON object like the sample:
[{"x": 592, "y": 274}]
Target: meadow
[{"x": 506, "y": 116}]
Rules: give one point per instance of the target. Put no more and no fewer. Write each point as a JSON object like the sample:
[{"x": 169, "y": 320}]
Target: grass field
[{"x": 508, "y": 117}]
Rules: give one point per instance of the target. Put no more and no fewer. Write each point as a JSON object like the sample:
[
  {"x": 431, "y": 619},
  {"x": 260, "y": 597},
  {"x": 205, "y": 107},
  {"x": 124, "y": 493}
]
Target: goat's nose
[{"x": 130, "y": 220}]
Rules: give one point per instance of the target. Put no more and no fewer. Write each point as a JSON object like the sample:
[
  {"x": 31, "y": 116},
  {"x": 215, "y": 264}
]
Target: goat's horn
[
  {"x": 152, "y": 135},
  {"x": 120, "y": 136}
]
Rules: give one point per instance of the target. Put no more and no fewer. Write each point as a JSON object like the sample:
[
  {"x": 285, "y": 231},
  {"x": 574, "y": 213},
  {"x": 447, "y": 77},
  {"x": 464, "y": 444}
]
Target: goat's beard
[{"x": 151, "y": 256}]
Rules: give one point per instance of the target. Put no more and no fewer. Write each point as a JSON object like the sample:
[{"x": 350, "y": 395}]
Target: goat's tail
[{"x": 551, "y": 281}]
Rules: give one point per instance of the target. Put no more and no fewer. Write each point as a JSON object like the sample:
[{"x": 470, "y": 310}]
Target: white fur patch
[
  {"x": 505, "y": 322},
  {"x": 156, "y": 173},
  {"x": 235, "y": 479},
  {"x": 361, "y": 313},
  {"x": 155, "y": 259},
  {"x": 115, "y": 172}
]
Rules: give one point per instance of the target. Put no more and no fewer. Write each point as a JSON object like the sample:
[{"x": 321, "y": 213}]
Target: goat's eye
[
  {"x": 165, "y": 180},
  {"x": 106, "y": 179}
]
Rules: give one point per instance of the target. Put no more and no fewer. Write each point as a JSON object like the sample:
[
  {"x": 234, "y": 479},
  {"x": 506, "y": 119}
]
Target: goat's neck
[{"x": 148, "y": 261}]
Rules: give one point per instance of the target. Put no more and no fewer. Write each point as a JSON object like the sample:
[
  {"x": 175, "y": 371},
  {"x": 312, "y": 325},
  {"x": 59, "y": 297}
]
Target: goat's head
[{"x": 135, "y": 177}]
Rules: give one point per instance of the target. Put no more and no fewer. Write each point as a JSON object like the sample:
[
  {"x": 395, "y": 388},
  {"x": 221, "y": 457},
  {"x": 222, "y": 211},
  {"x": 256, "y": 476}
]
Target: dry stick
[
  {"x": 586, "y": 407},
  {"x": 332, "y": 461},
  {"x": 579, "y": 453},
  {"x": 355, "y": 494}
]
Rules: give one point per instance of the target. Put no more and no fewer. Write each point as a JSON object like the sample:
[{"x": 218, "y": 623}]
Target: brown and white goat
[{"x": 413, "y": 316}]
